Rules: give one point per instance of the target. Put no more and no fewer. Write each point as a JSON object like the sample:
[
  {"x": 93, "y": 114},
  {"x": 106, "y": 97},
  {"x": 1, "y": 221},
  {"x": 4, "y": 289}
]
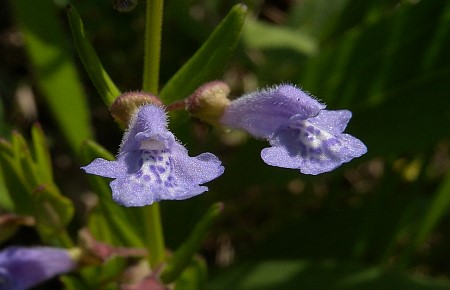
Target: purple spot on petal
[
  {"x": 138, "y": 174},
  {"x": 310, "y": 129},
  {"x": 315, "y": 150},
  {"x": 303, "y": 151},
  {"x": 147, "y": 177},
  {"x": 160, "y": 158},
  {"x": 161, "y": 169},
  {"x": 332, "y": 141}
]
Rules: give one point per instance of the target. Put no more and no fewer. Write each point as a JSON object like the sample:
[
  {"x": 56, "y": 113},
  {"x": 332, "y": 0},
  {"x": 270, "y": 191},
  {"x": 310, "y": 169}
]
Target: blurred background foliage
[{"x": 380, "y": 222}]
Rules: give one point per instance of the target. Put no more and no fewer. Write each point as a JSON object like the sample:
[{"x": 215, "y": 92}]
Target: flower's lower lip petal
[
  {"x": 196, "y": 170},
  {"x": 333, "y": 122},
  {"x": 332, "y": 154},
  {"x": 353, "y": 146},
  {"x": 280, "y": 157},
  {"x": 105, "y": 168},
  {"x": 129, "y": 192},
  {"x": 185, "y": 193}
]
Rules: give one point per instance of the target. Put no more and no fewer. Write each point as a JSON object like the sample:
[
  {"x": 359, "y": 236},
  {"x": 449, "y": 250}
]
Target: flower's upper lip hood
[{"x": 262, "y": 112}]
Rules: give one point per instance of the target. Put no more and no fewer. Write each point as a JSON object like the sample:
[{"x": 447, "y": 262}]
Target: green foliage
[
  {"x": 54, "y": 69},
  {"x": 372, "y": 224},
  {"x": 94, "y": 68},
  {"x": 306, "y": 274},
  {"x": 209, "y": 62},
  {"x": 185, "y": 253},
  {"x": 31, "y": 187}
]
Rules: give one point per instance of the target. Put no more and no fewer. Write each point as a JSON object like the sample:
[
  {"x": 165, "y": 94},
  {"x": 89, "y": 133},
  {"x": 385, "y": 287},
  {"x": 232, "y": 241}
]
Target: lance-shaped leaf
[
  {"x": 18, "y": 187},
  {"x": 185, "y": 253},
  {"x": 94, "y": 68},
  {"x": 53, "y": 212},
  {"x": 54, "y": 69},
  {"x": 6, "y": 202},
  {"x": 210, "y": 60},
  {"x": 194, "y": 276},
  {"x": 42, "y": 154}
]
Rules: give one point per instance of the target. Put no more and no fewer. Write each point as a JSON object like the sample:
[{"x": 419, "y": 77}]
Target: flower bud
[
  {"x": 209, "y": 102},
  {"x": 126, "y": 104}
]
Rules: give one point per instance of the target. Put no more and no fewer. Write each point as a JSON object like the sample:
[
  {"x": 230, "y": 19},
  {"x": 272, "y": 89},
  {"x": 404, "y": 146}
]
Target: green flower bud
[
  {"x": 209, "y": 102},
  {"x": 126, "y": 104}
]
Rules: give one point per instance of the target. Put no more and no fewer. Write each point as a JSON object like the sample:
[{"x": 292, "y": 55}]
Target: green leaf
[
  {"x": 437, "y": 210},
  {"x": 184, "y": 254},
  {"x": 42, "y": 154},
  {"x": 277, "y": 37},
  {"x": 54, "y": 69},
  {"x": 377, "y": 68},
  {"x": 6, "y": 203},
  {"x": 209, "y": 62},
  {"x": 306, "y": 274},
  {"x": 53, "y": 212},
  {"x": 194, "y": 277},
  {"x": 94, "y": 68},
  {"x": 19, "y": 189},
  {"x": 22, "y": 156},
  {"x": 73, "y": 283}
]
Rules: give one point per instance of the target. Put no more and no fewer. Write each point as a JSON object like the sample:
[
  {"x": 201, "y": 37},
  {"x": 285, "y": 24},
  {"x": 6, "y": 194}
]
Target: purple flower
[
  {"x": 303, "y": 135},
  {"x": 153, "y": 166},
  {"x": 22, "y": 268}
]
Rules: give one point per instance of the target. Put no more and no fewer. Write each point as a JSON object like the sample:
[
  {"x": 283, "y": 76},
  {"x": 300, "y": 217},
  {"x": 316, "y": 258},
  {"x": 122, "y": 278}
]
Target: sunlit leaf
[
  {"x": 54, "y": 69},
  {"x": 209, "y": 62},
  {"x": 94, "y": 68}
]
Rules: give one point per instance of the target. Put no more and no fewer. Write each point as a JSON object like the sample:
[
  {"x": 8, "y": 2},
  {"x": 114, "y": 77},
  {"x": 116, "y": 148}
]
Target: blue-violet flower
[
  {"x": 303, "y": 135},
  {"x": 22, "y": 268},
  {"x": 152, "y": 165}
]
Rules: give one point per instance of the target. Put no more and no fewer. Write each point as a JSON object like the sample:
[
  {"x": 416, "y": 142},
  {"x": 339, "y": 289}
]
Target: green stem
[
  {"x": 152, "y": 49},
  {"x": 154, "y": 235}
]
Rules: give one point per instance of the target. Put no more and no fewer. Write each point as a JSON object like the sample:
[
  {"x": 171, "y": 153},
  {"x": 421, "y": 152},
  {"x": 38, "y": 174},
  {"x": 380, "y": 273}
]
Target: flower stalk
[
  {"x": 152, "y": 49},
  {"x": 152, "y": 53}
]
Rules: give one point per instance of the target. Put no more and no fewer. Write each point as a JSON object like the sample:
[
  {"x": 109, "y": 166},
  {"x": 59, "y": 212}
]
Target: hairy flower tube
[
  {"x": 151, "y": 164},
  {"x": 303, "y": 135},
  {"x": 22, "y": 268}
]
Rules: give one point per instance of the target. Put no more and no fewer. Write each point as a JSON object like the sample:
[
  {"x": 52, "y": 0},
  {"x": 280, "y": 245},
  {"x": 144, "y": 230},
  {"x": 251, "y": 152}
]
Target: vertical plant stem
[
  {"x": 154, "y": 234},
  {"x": 152, "y": 51}
]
